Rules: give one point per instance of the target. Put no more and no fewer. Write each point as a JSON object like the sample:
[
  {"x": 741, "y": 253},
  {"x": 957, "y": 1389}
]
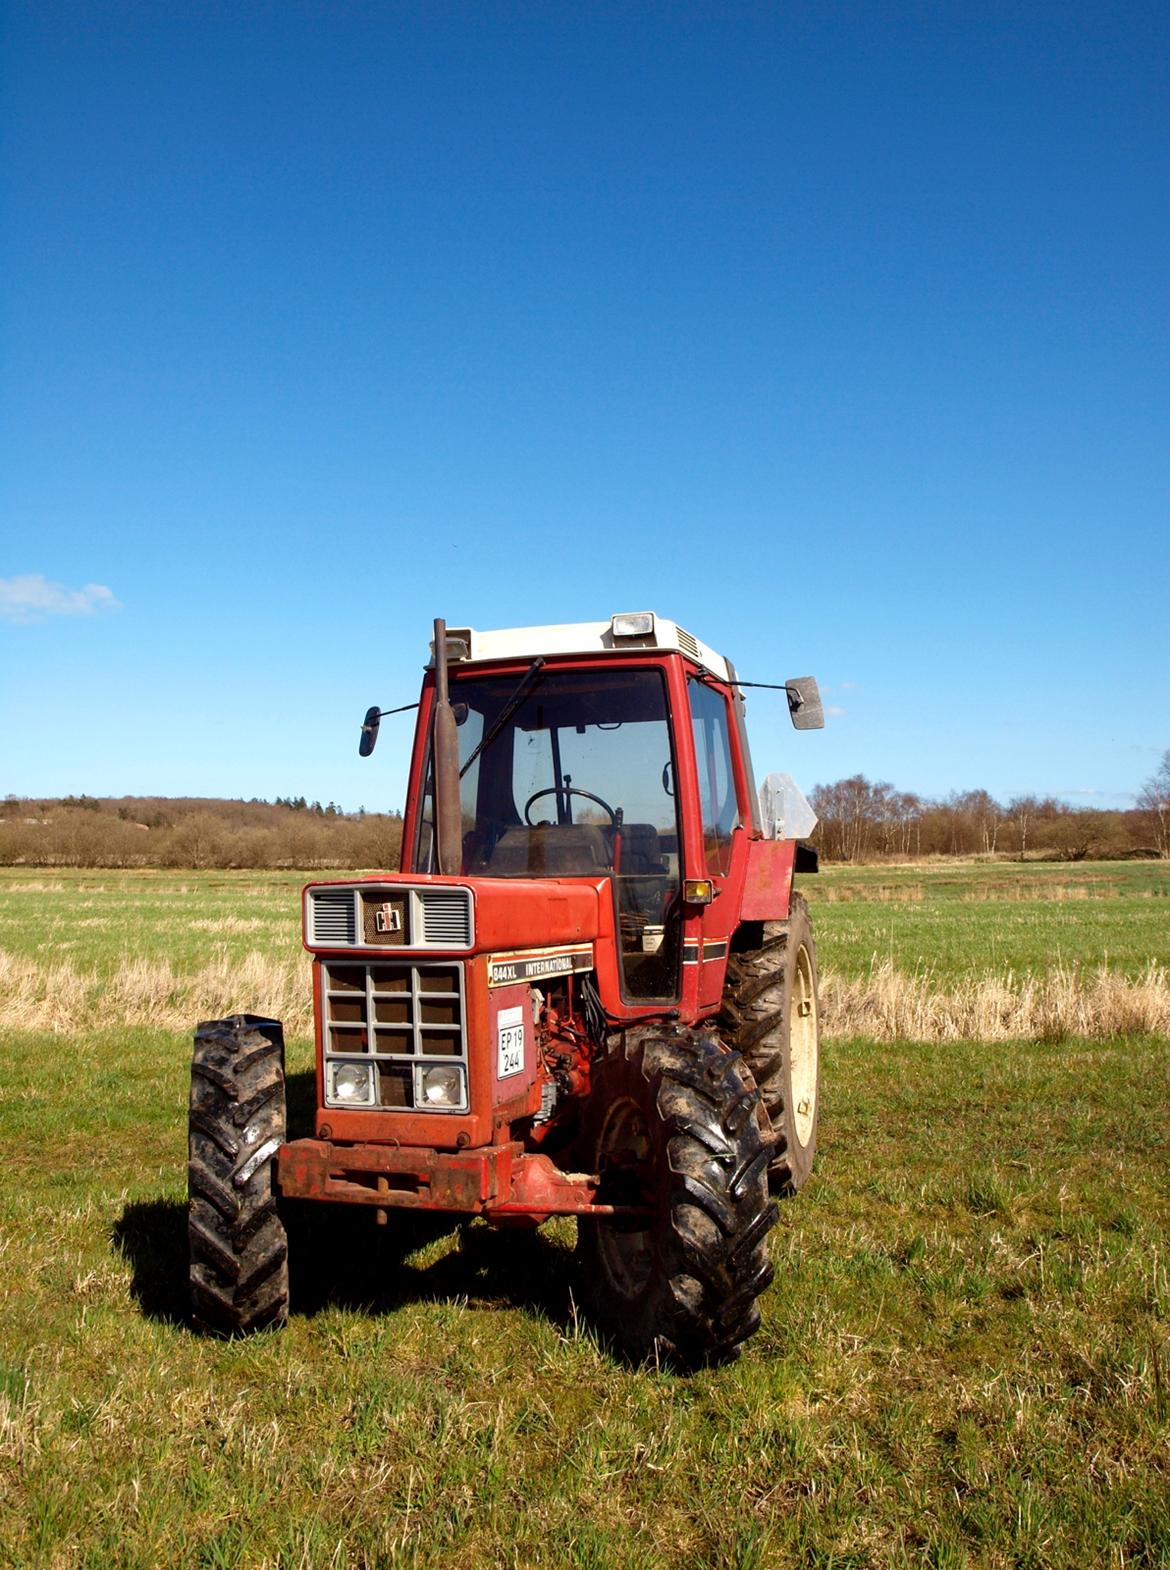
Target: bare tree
[
  {"x": 1020, "y": 811},
  {"x": 982, "y": 814},
  {"x": 908, "y": 815},
  {"x": 849, "y": 812},
  {"x": 1154, "y": 800}
]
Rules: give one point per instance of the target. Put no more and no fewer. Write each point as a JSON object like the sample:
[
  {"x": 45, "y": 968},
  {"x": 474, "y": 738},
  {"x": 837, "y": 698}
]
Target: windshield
[{"x": 579, "y": 781}]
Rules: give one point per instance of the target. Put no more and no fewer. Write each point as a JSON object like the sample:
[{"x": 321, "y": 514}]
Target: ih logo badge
[{"x": 388, "y": 918}]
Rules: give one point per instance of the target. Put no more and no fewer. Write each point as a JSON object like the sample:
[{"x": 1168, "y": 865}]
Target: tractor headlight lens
[
  {"x": 351, "y": 1085},
  {"x": 441, "y": 1088}
]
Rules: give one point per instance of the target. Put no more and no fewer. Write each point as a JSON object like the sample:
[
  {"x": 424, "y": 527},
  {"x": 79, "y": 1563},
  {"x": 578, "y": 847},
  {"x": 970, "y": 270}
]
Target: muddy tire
[
  {"x": 671, "y": 1124},
  {"x": 771, "y": 1014},
  {"x": 239, "y": 1251}
]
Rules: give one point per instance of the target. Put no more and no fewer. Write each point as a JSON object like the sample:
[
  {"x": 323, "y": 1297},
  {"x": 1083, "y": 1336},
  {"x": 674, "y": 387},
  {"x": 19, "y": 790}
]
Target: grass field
[
  {"x": 956, "y": 921},
  {"x": 965, "y": 1357}
]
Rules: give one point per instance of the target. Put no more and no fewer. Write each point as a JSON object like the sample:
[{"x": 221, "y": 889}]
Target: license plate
[{"x": 510, "y": 1042}]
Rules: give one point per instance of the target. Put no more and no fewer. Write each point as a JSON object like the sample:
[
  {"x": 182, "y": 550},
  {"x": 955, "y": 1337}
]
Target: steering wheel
[{"x": 568, "y": 790}]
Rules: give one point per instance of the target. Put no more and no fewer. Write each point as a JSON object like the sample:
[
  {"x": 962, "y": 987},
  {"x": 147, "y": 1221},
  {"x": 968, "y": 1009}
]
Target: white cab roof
[{"x": 586, "y": 637}]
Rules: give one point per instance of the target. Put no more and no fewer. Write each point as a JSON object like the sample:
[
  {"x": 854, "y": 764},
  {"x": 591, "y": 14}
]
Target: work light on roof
[
  {"x": 633, "y": 624},
  {"x": 458, "y": 645}
]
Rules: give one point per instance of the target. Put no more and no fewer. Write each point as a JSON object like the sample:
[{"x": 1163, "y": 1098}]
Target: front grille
[
  {"x": 401, "y": 1017},
  {"x": 388, "y": 916}
]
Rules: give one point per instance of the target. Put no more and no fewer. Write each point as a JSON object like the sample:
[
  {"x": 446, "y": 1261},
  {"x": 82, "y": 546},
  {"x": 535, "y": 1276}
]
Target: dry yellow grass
[
  {"x": 18, "y": 1426},
  {"x": 886, "y": 1005},
  {"x": 1018, "y": 892},
  {"x": 892, "y": 1005},
  {"x": 59, "y": 997},
  {"x": 882, "y": 893}
]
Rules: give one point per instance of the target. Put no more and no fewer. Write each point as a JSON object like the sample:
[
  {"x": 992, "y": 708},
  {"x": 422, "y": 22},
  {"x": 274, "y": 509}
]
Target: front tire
[
  {"x": 239, "y": 1249},
  {"x": 671, "y": 1123},
  {"x": 771, "y": 1014}
]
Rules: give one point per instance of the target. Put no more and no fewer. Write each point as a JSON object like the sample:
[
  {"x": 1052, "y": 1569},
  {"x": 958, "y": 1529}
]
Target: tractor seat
[
  {"x": 551, "y": 850},
  {"x": 641, "y": 851}
]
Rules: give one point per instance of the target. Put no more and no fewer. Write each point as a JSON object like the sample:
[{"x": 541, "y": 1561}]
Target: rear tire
[
  {"x": 671, "y": 1123},
  {"x": 771, "y": 1014},
  {"x": 239, "y": 1249}
]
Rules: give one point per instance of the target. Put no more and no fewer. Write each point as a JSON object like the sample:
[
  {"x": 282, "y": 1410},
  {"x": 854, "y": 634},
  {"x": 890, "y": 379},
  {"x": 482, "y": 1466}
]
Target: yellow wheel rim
[{"x": 803, "y": 1045}]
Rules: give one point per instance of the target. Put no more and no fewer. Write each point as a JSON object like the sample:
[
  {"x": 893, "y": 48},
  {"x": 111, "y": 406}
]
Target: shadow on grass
[
  {"x": 152, "y": 1235},
  {"x": 340, "y": 1257}
]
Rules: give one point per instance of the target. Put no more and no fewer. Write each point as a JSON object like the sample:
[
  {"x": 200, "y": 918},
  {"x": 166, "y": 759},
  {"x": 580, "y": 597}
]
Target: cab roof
[{"x": 619, "y": 635}]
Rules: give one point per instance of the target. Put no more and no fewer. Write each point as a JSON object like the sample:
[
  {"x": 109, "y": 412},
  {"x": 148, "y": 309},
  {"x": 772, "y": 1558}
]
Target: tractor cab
[{"x": 573, "y": 763}]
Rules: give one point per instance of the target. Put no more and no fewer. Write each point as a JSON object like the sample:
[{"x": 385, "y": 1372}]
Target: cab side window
[{"x": 710, "y": 723}]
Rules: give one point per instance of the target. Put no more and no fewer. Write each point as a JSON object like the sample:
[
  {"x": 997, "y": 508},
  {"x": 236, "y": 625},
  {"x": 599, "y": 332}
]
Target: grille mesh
[
  {"x": 446, "y": 918},
  {"x": 687, "y": 644},
  {"x": 334, "y": 919}
]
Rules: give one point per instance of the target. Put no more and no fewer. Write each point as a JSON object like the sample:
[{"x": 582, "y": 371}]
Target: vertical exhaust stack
[{"x": 448, "y": 813}]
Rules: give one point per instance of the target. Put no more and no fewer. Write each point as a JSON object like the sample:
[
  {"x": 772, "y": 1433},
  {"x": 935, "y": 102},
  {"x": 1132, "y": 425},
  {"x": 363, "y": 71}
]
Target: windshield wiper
[{"x": 527, "y": 682}]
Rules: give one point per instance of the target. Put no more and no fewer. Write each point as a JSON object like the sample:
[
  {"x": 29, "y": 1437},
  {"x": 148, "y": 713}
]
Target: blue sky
[{"x": 836, "y": 332}]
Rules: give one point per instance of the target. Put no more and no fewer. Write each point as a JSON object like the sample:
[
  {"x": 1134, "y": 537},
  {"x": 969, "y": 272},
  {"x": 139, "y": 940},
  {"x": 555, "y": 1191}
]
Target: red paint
[
  {"x": 500, "y": 1181},
  {"x": 767, "y": 884}
]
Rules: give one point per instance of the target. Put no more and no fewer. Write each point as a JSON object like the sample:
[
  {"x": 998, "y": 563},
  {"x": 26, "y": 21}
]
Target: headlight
[
  {"x": 440, "y": 1089},
  {"x": 632, "y": 624},
  {"x": 350, "y": 1085}
]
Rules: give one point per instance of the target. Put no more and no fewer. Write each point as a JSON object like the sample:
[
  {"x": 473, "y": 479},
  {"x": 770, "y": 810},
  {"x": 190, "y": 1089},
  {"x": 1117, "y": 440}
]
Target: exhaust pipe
[{"x": 445, "y": 755}]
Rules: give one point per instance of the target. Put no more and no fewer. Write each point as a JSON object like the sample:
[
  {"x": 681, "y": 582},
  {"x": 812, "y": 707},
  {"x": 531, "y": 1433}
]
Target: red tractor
[{"x": 589, "y": 992}]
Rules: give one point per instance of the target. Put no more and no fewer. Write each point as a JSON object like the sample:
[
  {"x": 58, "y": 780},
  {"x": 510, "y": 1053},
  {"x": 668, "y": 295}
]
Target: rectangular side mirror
[
  {"x": 804, "y": 703},
  {"x": 370, "y": 731}
]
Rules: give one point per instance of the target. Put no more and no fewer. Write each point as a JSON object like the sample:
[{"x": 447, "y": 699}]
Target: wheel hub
[{"x": 624, "y": 1159}]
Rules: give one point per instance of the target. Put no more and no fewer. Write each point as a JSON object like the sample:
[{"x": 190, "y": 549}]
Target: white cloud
[
  {"x": 836, "y": 711},
  {"x": 32, "y": 598}
]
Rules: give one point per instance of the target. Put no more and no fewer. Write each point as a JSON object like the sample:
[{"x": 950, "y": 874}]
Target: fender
[{"x": 767, "y": 884}]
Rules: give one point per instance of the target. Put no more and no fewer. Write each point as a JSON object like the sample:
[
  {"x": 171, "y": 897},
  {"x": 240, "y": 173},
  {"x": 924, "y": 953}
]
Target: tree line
[
  {"x": 860, "y": 819},
  {"x": 196, "y": 832}
]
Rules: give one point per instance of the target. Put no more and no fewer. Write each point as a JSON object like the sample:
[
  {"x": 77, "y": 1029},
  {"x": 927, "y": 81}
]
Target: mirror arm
[
  {"x": 798, "y": 700},
  {"x": 374, "y": 717}
]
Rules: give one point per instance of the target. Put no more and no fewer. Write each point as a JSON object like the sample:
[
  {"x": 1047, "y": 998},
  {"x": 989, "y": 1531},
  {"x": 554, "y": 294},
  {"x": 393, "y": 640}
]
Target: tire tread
[
  {"x": 700, "y": 1301},
  {"x": 238, "y": 1246}
]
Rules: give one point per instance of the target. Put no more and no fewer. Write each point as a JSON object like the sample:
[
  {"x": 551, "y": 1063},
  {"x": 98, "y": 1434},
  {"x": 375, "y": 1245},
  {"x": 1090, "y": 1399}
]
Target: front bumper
[{"x": 501, "y": 1180}]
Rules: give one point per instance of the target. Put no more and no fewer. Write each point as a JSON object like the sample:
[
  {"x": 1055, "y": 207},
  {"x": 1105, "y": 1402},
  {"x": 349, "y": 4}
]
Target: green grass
[
  {"x": 964, "y": 1357},
  {"x": 964, "y": 1360},
  {"x": 97, "y": 918},
  {"x": 963, "y": 920}
]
